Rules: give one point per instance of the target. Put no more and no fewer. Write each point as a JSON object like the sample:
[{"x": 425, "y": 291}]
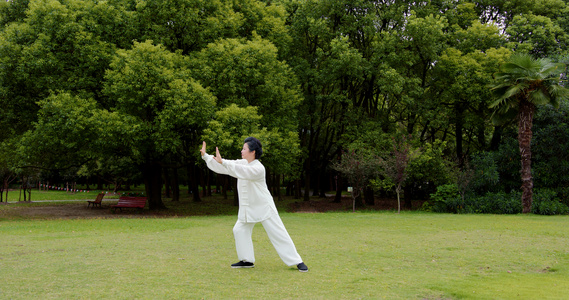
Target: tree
[
  {"x": 47, "y": 50},
  {"x": 249, "y": 73},
  {"x": 537, "y": 35},
  {"x": 331, "y": 71},
  {"x": 358, "y": 169},
  {"x": 161, "y": 105},
  {"x": 257, "y": 94},
  {"x": 394, "y": 166},
  {"x": 521, "y": 84},
  {"x": 186, "y": 25},
  {"x": 7, "y": 174}
]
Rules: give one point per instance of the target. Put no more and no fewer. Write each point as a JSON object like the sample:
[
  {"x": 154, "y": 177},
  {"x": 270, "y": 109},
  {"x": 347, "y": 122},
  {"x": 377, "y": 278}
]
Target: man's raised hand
[
  {"x": 217, "y": 155},
  {"x": 202, "y": 150}
]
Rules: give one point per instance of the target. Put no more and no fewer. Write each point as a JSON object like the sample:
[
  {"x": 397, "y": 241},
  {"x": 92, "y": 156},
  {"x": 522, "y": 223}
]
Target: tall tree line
[{"x": 125, "y": 88}]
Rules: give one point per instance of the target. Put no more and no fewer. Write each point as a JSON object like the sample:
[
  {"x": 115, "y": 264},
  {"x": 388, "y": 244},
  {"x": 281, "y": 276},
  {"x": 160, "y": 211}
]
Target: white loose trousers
[{"x": 278, "y": 236}]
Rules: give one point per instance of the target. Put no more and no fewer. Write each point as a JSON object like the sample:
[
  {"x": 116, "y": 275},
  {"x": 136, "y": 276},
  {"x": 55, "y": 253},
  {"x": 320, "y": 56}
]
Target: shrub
[
  {"x": 132, "y": 194},
  {"x": 496, "y": 203},
  {"x": 564, "y": 195},
  {"x": 428, "y": 170},
  {"x": 546, "y": 202},
  {"x": 445, "y": 199}
]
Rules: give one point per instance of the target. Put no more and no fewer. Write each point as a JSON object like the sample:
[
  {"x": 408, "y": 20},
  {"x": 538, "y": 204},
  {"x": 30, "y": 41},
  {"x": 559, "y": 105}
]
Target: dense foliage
[{"x": 124, "y": 91}]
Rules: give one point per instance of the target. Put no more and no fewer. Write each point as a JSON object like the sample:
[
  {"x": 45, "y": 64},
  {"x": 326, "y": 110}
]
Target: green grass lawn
[
  {"x": 51, "y": 195},
  {"x": 371, "y": 255}
]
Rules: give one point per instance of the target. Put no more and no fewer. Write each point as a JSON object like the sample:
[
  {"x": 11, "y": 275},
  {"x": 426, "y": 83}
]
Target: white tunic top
[{"x": 256, "y": 203}]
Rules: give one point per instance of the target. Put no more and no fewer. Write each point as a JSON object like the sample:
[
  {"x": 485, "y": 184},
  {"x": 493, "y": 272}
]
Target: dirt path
[
  {"x": 75, "y": 210},
  {"x": 79, "y": 209}
]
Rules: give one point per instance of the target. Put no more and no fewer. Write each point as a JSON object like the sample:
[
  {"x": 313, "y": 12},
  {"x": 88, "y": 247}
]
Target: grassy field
[
  {"x": 51, "y": 195},
  {"x": 365, "y": 255}
]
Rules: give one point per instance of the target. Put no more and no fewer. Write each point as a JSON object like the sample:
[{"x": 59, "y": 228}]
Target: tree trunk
[
  {"x": 193, "y": 187},
  {"x": 224, "y": 181},
  {"x": 307, "y": 175},
  {"x": 297, "y": 189},
  {"x": 322, "y": 184},
  {"x": 235, "y": 193},
  {"x": 358, "y": 199},
  {"x": 152, "y": 174},
  {"x": 167, "y": 192},
  {"x": 526, "y": 112},
  {"x": 29, "y": 193},
  {"x": 316, "y": 183},
  {"x": 204, "y": 181},
  {"x": 407, "y": 196},
  {"x": 289, "y": 188},
  {"x": 6, "y": 185},
  {"x": 398, "y": 191},
  {"x": 175, "y": 185},
  {"x": 269, "y": 181},
  {"x": 369, "y": 197},
  {"x": 338, "y": 197},
  {"x": 459, "y": 123},
  {"x": 496, "y": 138},
  {"x": 278, "y": 187},
  {"x": 209, "y": 182}
]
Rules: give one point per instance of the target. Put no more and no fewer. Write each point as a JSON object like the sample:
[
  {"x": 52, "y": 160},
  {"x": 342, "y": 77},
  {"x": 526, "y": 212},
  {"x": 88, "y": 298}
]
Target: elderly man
[{"x": 255, "y": 205}]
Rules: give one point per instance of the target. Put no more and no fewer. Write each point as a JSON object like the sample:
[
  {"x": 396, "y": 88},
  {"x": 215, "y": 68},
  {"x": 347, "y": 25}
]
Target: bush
[
  {"x": 546, "y": 202},
  {"x": 132, "y": 194},
  {"x": 445, "y": 199},
  {"x": 427, "y": 171},
  {"x": 563, "y": 195},
  {"x": 496, "y": 203}
]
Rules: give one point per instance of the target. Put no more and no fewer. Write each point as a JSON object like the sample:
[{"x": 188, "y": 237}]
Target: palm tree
[{"x": 521, "y": 84}]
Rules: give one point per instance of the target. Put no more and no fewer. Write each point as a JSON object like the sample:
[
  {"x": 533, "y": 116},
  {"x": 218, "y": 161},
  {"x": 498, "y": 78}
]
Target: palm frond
[
  {"x": 498, "y": 103},
  {"x": 516, "y": 89},
  {"x": 559, "y": 91},
  {"x": 503, "y": 116},
  {"x": 552, "y": 69},
  {"x": 558, "y": 94},
  {"x": 521, "y": 64},
  {"x": 539, "y": 97},
  {"x": 522, "y": 77}
]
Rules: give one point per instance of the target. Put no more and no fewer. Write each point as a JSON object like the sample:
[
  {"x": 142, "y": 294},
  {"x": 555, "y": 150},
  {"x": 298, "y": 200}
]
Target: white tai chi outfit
[{"x": 255, "y": 205}]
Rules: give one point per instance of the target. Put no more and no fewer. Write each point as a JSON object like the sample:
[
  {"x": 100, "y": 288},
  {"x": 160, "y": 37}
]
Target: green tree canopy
[{"x": 151, "y": 89}]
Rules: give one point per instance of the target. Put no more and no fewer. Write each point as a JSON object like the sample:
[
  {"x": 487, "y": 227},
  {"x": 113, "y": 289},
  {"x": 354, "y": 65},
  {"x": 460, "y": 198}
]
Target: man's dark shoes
[
  {"x": 243, "y": 264},
  {"x": 302, "y": 267}
]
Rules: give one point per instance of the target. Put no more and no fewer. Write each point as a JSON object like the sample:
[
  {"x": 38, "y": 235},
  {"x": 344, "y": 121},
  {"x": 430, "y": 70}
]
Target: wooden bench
[
  {"x": 97, "y": 200},
  {"x": 129, "y": 202}
]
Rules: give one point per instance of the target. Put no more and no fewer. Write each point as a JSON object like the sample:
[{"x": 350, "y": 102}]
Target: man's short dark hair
[{"x": 254, "y": 145}]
